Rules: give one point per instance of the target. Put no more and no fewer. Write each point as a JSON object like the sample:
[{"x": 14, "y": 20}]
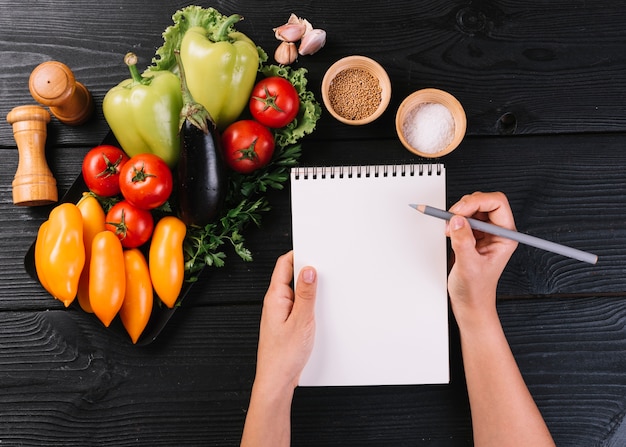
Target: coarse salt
[{"x": 429, "y": 127}]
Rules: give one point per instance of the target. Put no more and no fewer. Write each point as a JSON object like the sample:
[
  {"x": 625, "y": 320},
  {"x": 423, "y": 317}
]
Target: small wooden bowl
[
  {"x": 431, "y": 95},
  {"x": 359, "y": 63}
]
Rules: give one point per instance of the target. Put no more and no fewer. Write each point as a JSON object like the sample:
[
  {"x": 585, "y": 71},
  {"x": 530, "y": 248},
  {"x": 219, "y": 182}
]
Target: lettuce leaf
[
  {"x": 208, "y": 18},
  {"x": 310, "y": 109}
]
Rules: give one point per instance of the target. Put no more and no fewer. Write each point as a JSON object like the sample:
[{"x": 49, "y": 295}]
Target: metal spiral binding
[{"x": 332, "y": 172}]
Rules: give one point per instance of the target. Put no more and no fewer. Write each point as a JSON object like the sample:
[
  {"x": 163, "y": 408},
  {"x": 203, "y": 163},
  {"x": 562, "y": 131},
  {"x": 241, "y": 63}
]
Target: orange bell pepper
[
  {"x": 107, "y": 277},
  {"x": 93, "y": 223},
  {"x": 60, "y": 252},
  {"x": 137, "y": 305},
  {"x": 166, "y": 259}
]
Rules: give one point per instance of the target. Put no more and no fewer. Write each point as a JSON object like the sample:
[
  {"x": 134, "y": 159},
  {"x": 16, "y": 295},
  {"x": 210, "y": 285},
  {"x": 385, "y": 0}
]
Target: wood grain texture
[
  {"x": 551, "y": 66},
  {"x": 66, "y": 382},
  {"x": 553, "y": 197},
  {"x": 542, "y": 85}
]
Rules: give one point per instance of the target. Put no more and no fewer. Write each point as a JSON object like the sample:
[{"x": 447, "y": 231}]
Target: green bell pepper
[
  {"x": 221, "y": 69},
  {"x": 143, "y": 112}
]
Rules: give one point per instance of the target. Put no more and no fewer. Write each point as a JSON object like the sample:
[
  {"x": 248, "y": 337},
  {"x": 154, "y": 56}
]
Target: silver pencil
[{"x": 513, "y": 235}]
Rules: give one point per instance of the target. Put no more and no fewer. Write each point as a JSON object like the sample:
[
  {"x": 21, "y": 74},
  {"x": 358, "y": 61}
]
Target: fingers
[
  {"x": 283, "y": 270},
  {"x": 282, "y": 300},
  {"x": 462, "y": 239},
  {"x": 278, "y": 301},
  {"x": 306, "y": 290},
  {"x": 494, "y": 204}
]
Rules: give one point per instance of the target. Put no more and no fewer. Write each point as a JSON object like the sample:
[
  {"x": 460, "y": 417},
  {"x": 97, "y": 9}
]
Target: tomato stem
[
  {"x": 249, "y": 153},
  {"x": 269, "y": 101},
  {"x": 120, "y": 227},
  {"x": 140, "y": 175},
  {"x": 111, "y": 168}
]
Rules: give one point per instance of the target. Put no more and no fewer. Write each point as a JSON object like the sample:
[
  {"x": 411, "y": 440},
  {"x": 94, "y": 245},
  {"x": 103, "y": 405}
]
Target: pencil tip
[
  {"x": 412, "y": 205},
  {"x": 419, "y": 208}
]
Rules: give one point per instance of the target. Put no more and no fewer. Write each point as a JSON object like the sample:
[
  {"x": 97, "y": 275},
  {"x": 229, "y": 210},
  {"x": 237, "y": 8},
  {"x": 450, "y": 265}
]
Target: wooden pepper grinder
[
  {"x": 34, "y": 183},
  {"x": 53, "y": 84}
]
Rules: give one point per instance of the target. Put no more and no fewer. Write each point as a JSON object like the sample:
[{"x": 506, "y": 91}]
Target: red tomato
[
  {"x": 247, "y": 146},
  {"x": 274, "y": 102},
  {"x": 132, "y": 225},
  {"x": 146, "y": 181},
  {"x": 101, "y": 169}
]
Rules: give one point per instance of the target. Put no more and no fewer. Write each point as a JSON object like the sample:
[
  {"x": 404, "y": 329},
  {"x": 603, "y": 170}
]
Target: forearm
[
  {"x": 503, "y": 410},
  {"x": 268, "y": 422}
]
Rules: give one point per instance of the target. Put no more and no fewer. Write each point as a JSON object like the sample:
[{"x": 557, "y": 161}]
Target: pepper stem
[
  {"x": 192, "y": 111},
  {"x": 222, "y": 33},
  {"x": 131, "y": 60}
]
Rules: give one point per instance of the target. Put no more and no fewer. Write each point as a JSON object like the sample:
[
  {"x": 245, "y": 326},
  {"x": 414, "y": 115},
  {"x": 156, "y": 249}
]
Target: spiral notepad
[{"x": 381, "y": 310}]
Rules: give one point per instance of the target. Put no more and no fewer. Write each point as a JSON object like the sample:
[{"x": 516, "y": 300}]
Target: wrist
[
  {"x": 272, "y": 388},
  {"x": 472, "y": 318},
  {"x": 270, "y": 398}
]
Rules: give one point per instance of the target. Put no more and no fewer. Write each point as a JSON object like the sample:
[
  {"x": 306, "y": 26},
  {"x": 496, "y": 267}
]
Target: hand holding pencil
[
  {"x": 496, "y": 388},
  {"x": 479, "y": 258},
  {"x": 464, "y": 207}
]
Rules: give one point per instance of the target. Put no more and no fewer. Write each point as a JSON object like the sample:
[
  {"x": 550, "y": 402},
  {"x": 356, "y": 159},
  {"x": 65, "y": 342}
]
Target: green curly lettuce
[{"x": 208, "y": 18}]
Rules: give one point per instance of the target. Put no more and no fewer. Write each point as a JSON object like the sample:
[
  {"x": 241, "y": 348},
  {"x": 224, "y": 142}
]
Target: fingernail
[
  {"x": 457, "y": 222},
  {"x": 456, "y": 207},
  {"x": 308, "y": 275}
]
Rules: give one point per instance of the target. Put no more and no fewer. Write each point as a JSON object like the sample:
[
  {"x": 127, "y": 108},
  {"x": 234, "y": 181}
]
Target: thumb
[
  {"x": 461, "y": 237},
  {"x": 306, "y": 288}
]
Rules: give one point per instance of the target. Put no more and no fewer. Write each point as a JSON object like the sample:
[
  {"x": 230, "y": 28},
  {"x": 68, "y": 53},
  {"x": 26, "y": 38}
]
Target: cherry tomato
[
  {"x": 133, "y": 226},
  {"x": 274, "y": 102},
  {"x": 146, "y": 181},
  {"x": 101, "y": 169},
  {"x": 247, "y": 146}
]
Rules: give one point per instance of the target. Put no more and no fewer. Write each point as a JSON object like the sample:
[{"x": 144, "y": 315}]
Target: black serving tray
[{"x": 161, "y": 314}]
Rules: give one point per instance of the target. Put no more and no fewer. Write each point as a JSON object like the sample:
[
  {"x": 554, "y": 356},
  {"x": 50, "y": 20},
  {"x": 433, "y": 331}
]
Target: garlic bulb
[{"x": 297, "y": 29}]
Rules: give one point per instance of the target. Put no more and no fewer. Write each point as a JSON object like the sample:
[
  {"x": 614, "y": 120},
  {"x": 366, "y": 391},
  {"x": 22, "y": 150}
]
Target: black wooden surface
[{"x": 543, "y": 85}]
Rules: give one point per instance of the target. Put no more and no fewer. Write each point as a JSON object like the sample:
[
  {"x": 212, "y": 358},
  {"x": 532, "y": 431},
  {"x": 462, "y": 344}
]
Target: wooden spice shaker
[
  {"x": 34, "y": 183},
  {"x": 53, "y": 84}
]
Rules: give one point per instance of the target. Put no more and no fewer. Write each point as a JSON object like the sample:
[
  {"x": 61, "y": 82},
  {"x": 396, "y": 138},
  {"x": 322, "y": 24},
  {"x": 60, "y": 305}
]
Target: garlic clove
[
  {"x": 286, "y": 53},
  {"x": 290, "y": 32},
  {"x": 307, "y": 25},
  {"x": 294, "y": 19},
  {"x": 312, "y": 42}
]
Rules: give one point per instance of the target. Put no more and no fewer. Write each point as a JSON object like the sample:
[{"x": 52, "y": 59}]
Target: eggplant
[{"x": 201, "y": 174}]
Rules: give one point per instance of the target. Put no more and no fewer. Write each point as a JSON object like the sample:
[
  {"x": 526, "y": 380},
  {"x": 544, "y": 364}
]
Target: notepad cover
[{"x": 381, "y": 310}]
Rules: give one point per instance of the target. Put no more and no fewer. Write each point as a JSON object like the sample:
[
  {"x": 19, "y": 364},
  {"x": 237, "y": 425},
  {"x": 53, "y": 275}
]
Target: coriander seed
[{"x": 355, "y": 94}]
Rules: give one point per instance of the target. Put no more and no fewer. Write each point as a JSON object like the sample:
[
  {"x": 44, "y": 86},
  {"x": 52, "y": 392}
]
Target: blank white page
[{"x": 381, "y": 310}]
